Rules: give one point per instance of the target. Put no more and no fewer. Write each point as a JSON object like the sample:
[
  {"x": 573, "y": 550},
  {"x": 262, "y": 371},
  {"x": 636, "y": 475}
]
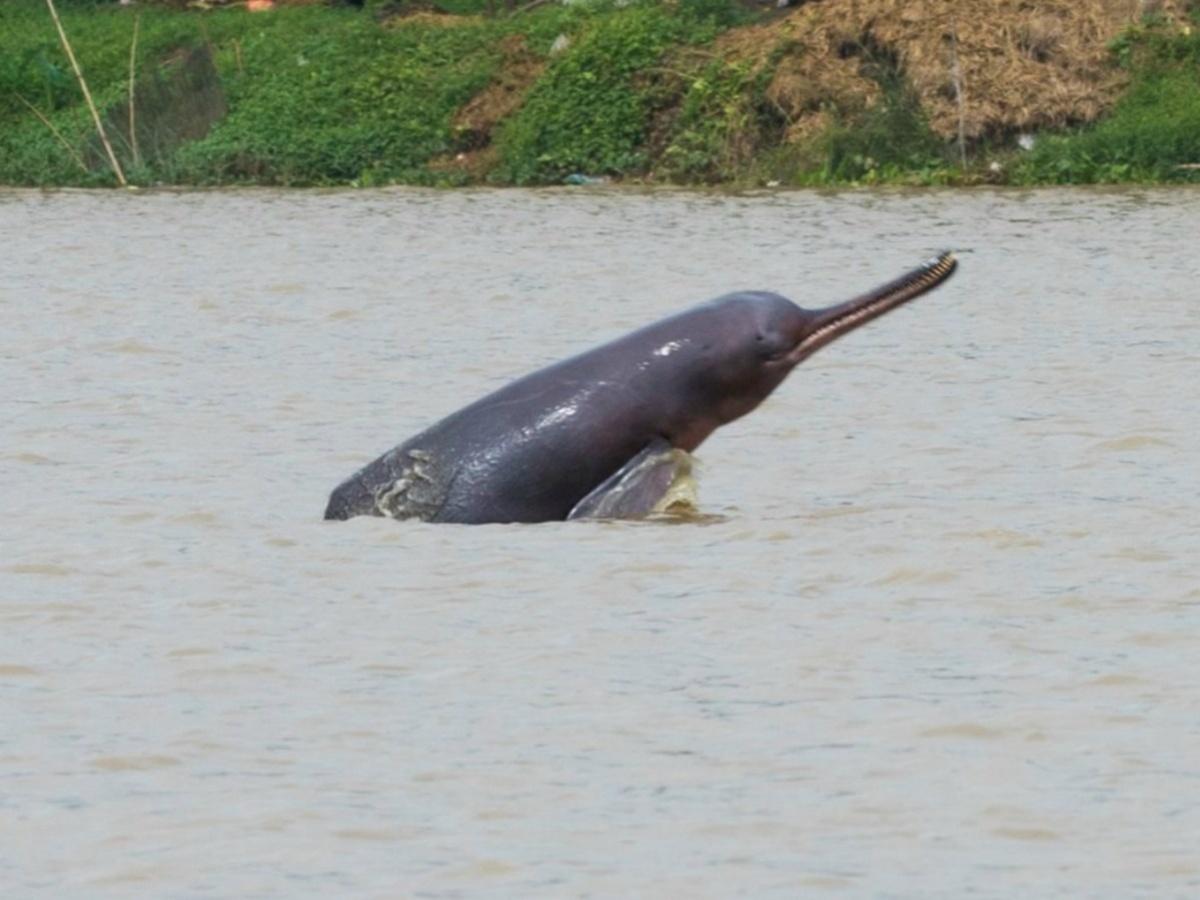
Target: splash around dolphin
[{"x": 599, "y": 434}]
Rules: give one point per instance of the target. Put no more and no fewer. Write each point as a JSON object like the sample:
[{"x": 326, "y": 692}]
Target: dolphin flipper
[{"x": 639, "y": 487}]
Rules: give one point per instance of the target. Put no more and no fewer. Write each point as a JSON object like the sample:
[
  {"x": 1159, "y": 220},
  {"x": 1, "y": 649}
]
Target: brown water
[{"x": 941, "y": 637}]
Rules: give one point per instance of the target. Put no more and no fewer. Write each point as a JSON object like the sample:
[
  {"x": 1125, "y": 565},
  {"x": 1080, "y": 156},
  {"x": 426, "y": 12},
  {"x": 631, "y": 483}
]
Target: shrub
[
  {"x": 586, "y": 114},
  {"x": 1153, "y": 130}
]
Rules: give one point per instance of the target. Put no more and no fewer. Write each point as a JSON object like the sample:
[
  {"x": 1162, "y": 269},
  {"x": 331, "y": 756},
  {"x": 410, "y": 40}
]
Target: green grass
[
  {"x": 321, "y": 95},
  {"x": 316, "y": 95},
  {"x": 1153, "y": 129},
  {"x": 719, "y": 123},
  {"x": 33, "y": 66},
  {"x": 333, "y": 98},
  {"x": 588, "y": 113},
  {"x": 326, "y": 95}
]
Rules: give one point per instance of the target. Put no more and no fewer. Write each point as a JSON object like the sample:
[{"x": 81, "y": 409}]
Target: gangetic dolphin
[{"x": 595, "y": 435}]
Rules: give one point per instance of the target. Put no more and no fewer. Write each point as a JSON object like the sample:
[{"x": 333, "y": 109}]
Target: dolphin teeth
[{"x": 523, "y": 466}]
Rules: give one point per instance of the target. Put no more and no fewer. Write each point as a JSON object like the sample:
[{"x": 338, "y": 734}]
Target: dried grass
[{"x": 1023, "y": 65}]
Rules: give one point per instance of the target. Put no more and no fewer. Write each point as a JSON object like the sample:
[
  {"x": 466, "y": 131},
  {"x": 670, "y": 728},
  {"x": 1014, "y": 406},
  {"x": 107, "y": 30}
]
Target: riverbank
[{"x": 831, "y": 92}]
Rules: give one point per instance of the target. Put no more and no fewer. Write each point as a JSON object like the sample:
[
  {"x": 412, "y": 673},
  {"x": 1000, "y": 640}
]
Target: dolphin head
[{"x": 753, "y": 340}]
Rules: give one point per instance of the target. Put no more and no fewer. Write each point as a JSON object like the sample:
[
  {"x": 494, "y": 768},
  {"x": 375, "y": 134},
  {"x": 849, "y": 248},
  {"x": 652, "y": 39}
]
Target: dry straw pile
[{"x": 986, "y": 67}]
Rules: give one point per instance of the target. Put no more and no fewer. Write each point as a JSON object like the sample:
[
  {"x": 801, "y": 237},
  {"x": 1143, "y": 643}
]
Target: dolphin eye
[{"x": 770, "y": 346}]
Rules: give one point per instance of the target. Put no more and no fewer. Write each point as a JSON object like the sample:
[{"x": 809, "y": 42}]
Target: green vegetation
[
  {"x": 1153, "y": 133},
  {"x": 587, "y": 114},
  {"x": 34, "y": 71},
  {"x": 313, "y": 95},
  {"x": 316, "y": 95},
  {"x": 888, "y": 142},
  {"x": 711, "y": 124},
  {"x": 338, "y": 99}
]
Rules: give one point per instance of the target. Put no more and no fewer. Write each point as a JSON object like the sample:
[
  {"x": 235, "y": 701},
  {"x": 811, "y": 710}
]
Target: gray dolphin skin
[{"x": 552, "y": 445}]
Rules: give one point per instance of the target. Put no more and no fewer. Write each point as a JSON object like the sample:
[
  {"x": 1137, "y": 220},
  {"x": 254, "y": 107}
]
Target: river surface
[{"x": 938, "y": 634}]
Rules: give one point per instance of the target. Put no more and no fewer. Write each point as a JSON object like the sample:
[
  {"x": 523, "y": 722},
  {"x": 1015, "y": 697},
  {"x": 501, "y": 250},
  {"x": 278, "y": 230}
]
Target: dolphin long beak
[{"x": 831, "y": 323}]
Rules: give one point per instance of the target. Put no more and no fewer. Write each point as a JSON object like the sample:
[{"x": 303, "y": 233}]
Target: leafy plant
[
  {"x": 586, "y": 114},
  {"x": 718, "y": 126},
  {"x": 1153, "y": 132}
]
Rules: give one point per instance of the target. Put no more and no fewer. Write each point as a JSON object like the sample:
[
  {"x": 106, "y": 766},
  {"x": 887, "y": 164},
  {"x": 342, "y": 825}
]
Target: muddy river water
[{"x": 939, "y": 636}]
